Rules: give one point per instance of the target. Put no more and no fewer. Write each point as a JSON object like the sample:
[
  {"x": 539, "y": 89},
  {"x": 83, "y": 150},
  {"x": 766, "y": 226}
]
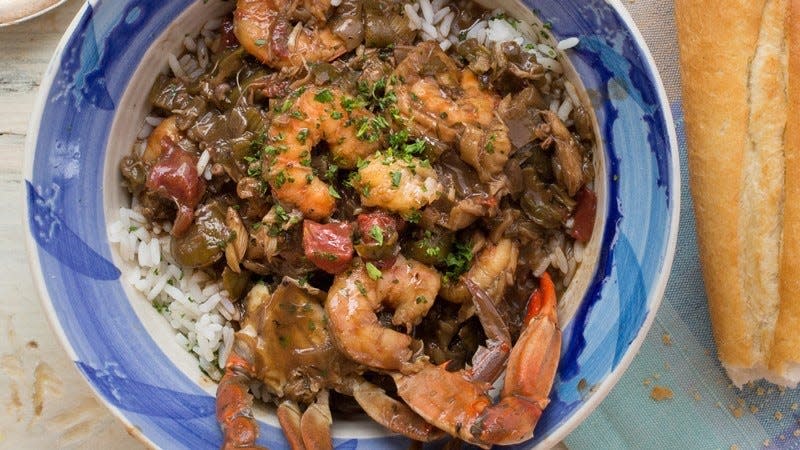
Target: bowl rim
[
  {"x": 602, "y": 389},
  {"x": 14, "y": 20},
  {"x": 672, "y": 243}
]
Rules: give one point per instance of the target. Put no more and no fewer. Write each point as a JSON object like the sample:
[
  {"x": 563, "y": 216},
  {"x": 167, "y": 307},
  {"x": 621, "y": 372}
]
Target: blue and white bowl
[{"x": 92, "y": 104}]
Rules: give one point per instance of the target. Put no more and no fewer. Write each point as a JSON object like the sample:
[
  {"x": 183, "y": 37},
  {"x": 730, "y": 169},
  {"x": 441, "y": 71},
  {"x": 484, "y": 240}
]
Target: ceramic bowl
[{"x": 92, "y": 104}]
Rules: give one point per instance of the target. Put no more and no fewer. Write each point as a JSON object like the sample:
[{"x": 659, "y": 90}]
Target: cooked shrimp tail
[
  {"x": 265, "y": 30},
  {"x": 409, "y": 287},
  {"x": 308, "y": 118}
]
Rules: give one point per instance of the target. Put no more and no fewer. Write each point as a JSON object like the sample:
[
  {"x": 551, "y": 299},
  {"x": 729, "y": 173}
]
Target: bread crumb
[
  {"x": 767, "y": 442},
  {"x": 753, "y": 409},
  {"x": 582, "y": 384},
  {"x": 666, "y": 366},
  {"x": 718, "y": 405},
  {"x": 778, "y": 415},
  {"x": 796, "y": 432},
  {"x": 782, "y": 437},
  {"x": 697, "y": 396},
  {"x": 794, "y": 406},
  {"x": 656, "y": 375},
  {"x": 760, "y": 392},
  {"x": 734, "y": 447},
  {"x": 737, "y": 412},
  {"x": 781, "y": 390},
  {"x": 647, "y": 381},
  {"x": 740, "y": 402},
  {"x": 666, "y": 339},
  {"x": 660, "y": 393}
]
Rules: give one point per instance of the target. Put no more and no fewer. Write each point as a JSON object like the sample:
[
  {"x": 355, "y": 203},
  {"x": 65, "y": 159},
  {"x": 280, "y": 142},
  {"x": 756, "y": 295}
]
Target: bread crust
[
  {"x": 786, "y": 347},
  {"x": 744, "y": 159},
  {"x": 716, "y": 112}
]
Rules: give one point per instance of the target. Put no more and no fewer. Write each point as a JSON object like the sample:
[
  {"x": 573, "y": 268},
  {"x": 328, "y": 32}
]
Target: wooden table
[{"x": 46, "y": 402}]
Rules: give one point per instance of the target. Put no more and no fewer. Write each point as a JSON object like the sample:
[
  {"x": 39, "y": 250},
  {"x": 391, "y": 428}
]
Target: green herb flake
[
  {"x": 433, "y": 251},
  {"x": 490, "y": 144},
  {"x": 324, "y": 96},
  {"x": 260, "y": 42},
  {"x": 377, "y": 233},
  {"x": 132, "y": 229},
  {"x": 361, "y": 288},
  {"x": 334, "y": 194},
  {"x": 373, "y": 272},
  {"x": 280, "y": 179},
  {"x": 302, "y": 136},
  {"x": 458, "y": 261},
  {"x": 336, "y": 115},
  {"x": 330, "y": 174},
  {"x": 421, "y": 300},
  {"x": 396, "y": 176}
]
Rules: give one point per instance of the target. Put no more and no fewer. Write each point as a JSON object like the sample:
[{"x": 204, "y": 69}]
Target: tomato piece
[
  {"x": 386, "y": 223},
  {"x": 329, "y": 246},
  {"x": 584, "y": 216},
  {"x": 379, "y": 235},
  {"x": 174, "y": 176}
]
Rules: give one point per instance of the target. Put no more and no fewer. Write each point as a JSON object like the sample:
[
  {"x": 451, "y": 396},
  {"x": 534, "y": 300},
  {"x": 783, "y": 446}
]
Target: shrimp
[
  {"x": 397, "y": 185},
  {"x": 451, "y": 104},
  {"x": 286, "y": 345},
  {"x": 409, "y": 287},
  {"x": 461, "y": 406},
  {"x": 315, "y": 115},
  {"x": 265, "y": 30},
  {"x": 493, "y": 271}
]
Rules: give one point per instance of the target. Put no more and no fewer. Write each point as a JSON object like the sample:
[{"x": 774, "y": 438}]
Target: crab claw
[
  {"x": 393, "y": 414},
  {"x": 461, "y": 406},
  {"x": 234, "y": 402},
  {"x": 310, "y": 430}
]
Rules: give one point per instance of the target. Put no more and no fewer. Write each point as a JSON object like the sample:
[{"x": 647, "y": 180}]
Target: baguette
[{"x": 740, "y": 63}]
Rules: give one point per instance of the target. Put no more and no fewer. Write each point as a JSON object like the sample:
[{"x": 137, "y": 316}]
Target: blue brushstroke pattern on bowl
[{"x": 126, "y": 367}]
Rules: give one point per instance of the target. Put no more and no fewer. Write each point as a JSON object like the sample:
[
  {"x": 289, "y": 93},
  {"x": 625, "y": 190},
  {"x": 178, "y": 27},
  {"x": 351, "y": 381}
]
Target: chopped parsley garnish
[
  {"x": 324, "y": 96},
  {"x": 490, "y": 143},
  {"x": 334, "y": 194},
  {"x": 361, "y": 288},
  {"x": 421, "y": 300},
  {"x": 373, "y": 271},
  {"x": 336, "y": 115},
  {"x": 302, "y": 136},
  {"x": 330, "y": 174},
  {"x": 261, "y": 42},
  {"x": 377, "y": 233},
  {"x": 280, "y": 179},
  {"x": 414, "y": 217},
  {"x": 285, "y": 106},
  {"x": 458, "y": 261},
  {"x": 396, "y": 176}
]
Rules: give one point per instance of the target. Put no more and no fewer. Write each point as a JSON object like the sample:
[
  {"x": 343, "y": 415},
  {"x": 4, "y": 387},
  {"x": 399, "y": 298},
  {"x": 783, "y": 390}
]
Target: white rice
[
  {"x": 436, "y": 19},
  {"x": 196, "y": 306},
  {"x": 203, "y": 161}
]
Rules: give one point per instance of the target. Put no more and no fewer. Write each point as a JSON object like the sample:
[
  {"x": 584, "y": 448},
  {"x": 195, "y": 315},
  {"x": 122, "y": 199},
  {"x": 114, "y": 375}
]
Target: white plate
[{"x": 16, "y": 11}]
